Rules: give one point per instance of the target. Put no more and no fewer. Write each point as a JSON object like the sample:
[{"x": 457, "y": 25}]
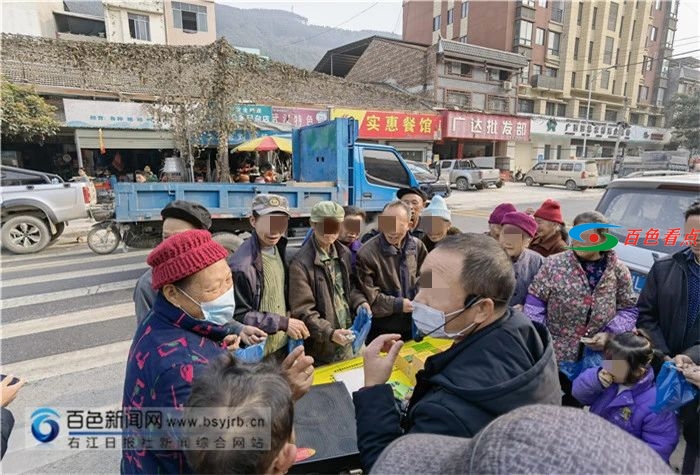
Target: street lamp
[
  {"x": 621, "y": 127},
  {"x": 588, "y": 107}
]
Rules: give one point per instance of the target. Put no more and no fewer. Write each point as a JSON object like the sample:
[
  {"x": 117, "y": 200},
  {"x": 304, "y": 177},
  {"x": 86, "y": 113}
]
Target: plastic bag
[
  {"x": 672, "y": 389},
  {"x": 360, "y": 328},
  {"x": 590, "y": 359},
  {"x": 293, "y": 343},
  {"x": 252, "y": 353}
]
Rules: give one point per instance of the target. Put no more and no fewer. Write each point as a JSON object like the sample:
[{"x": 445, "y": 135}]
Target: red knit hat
[
  {"x": 521, "y": 220},
  {"x": 182, "y": 255},
  {"x": 550, "y": 211},
  {"x": 501, "y": 211}
]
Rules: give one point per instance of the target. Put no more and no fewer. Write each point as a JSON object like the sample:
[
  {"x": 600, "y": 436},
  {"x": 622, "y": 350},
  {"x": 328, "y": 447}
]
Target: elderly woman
[
  {"x": 517, "y": 231},
  {"x": 496, "y": 217},
  {"x": 584, "y": 297},
  {"x": 551, "y": 234},
  {"x": 436, "y": 221},
  {"x": 189, "y": 325}
]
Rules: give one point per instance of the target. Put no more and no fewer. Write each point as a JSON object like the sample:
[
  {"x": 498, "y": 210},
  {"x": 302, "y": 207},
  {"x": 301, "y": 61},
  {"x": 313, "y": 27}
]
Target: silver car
[{"x": 644, "y": 204}]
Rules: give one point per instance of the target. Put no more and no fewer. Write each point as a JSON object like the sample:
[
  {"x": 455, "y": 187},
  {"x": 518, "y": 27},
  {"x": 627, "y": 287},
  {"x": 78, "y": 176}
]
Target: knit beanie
[
  {"x": 521, "y": 220},
  {"x": 550, "y": 211},
  {"x": 182, "y": 255},
  {"x": 438, "y": 208},
  {"x": 501, "y": 211}
]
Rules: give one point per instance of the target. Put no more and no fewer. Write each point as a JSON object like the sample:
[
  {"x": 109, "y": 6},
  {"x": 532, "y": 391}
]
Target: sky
[{"x": 386, "y": 15}]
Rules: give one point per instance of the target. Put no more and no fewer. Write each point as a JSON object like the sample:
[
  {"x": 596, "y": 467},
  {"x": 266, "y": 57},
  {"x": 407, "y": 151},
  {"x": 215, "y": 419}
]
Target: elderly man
[
  {"x": 261, "y": 278},
  {"x": 321, "y": 292},
  {"x": 500, "y": 359},
  {"x": 416, "y": 201},
  {"x": 387, "y": 268}
]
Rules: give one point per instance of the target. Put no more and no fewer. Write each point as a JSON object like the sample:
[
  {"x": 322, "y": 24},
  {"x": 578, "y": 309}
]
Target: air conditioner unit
[{"x": 507, "y": 85}]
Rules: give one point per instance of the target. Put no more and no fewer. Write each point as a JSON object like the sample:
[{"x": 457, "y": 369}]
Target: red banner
[
  {"x": 466, "y": 125},
  {"x": 394, "y": 125}
]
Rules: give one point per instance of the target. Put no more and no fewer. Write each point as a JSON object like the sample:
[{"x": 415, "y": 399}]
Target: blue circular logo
[{"x": 45, "y": 424}]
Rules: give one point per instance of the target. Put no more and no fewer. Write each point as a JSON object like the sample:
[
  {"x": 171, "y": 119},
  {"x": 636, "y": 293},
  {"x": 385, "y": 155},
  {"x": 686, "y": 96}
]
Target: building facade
[
  {"x": 135, "y": 22},
  {"x": 190, "y": 23}
]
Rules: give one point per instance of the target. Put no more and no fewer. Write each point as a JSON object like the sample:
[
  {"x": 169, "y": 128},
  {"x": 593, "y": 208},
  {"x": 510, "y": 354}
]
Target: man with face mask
[
  {"x": 262, "y": 278},
  {"x": 500, "y": 359},
  {"x": 387, "y": 271}
]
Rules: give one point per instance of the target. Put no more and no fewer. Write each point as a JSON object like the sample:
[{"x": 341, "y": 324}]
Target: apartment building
[{"x": 618, "y": 51}]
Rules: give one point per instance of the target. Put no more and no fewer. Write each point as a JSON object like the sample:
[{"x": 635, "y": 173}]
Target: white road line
[
  {"x": 74, "y": 260},
  {"x": 66, "y": 294},
  {"x": 73, "y": 275},
  {"x": 70, "y": 362},
  {"x": 7, "y": 258},
  {"x": 66, "y": 320}
]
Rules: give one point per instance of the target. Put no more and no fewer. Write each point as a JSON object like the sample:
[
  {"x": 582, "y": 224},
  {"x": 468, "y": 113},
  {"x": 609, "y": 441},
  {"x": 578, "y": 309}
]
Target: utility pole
[{"x": 621, "y": 127}]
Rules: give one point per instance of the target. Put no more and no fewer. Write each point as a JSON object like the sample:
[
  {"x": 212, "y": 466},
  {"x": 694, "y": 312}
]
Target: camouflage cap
[
  {"x": 268, "y": 204},
  {"x": 327, "y": 209}
]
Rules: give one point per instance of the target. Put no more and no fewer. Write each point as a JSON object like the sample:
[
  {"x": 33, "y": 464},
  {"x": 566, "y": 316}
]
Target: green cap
[{"x": 327, "y": 209}]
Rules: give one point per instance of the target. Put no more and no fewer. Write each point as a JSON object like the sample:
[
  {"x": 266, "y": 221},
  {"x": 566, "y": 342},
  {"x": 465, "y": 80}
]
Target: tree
[
  {"x": 685, "y": 120},
  {"x": 25, "y": 115}
]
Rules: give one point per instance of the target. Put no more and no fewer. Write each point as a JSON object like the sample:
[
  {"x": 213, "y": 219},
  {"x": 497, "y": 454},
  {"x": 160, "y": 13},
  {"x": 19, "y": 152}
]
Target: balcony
[
  {"x": 525, "y": 13},
  {"x": 540, "y": 81},
  {"x": 557, "y": 15}
]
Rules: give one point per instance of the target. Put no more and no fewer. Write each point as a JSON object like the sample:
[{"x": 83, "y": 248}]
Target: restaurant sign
[
  {"x": 467, "y": 125},
  {"x": 381, "y": 125}
]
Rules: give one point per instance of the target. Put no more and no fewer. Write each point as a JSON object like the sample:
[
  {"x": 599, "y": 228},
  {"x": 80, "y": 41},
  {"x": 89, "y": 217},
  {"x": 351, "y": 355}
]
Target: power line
[
  {"x": 615, "y": 66},
  {"x": 325, "y": 31}
]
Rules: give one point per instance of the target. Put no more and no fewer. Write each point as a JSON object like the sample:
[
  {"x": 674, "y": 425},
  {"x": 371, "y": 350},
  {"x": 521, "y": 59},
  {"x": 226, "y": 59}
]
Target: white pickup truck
[
  {"x": 465, "y": 175},
  {"x": 36, "y": 207}
]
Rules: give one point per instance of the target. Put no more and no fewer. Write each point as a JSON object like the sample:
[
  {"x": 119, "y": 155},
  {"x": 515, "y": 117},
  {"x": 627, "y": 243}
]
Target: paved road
[{"x": 67, "y": 323}]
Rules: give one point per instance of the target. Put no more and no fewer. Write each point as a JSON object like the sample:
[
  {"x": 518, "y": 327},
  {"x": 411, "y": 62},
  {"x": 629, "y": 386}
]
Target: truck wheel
[
  {"x": 480, "y": 186},
  {"x": 499, "y": 184},
  {"x": 60, "y": 227},
  {"x": 229, "y": 240},
  {"x": 462, "y": 184},
  {"x": 571, "y": 185},
  {"x": 25, "y": 234},
  {"x": 529, "y": 181},
  {"x": 103, "y": 239}
]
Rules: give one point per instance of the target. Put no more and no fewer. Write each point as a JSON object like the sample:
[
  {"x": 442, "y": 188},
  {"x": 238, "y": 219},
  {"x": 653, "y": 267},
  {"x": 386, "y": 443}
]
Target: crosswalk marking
[
  {"x": 67, "y": 320},
  {"x": 66, "y": 294},
  {"x": 72, "y": 275},
  {"x": 476, "y": 213},
  {"x": 75, "y": 260}
]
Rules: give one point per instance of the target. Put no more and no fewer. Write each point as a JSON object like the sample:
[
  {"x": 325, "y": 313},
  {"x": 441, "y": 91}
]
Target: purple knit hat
[
  {"x": 521, "y": 220},
  {"x": 501, "y": 211}
]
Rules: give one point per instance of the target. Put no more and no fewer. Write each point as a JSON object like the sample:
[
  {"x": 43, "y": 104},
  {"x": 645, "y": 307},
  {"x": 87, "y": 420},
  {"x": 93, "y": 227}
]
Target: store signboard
[
  {"x": 468, "y": 125},
  {"x": 383, "y": 125},
  {"x": 107, "y": 115}
]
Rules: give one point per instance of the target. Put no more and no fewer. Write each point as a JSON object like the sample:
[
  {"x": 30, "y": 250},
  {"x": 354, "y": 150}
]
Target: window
[
  {"x": 624, "y": 90},
  {"x": 536, "y": 69},
  {"x": 561, "y": 110},
  {"x": 588, "y": 81},
  {"x": 647, "y": 63},
  {"x": 12, "y": 178},
  {"x": 643, "y": 93},
  {"x": 573, "y": 79},
  {"x": 459, "y": 69},
  {"x": 450, "y": 15},
  {"x": 664, "y": 67},
  {"x": 634, "y": 118},
  {"x": 550, "y": 108},
  {"x": 651, "y": 121},
  {"x": 539, "y": 36},
  {"x": 579, "y": 15},
  {"x": 590, "y": 52},
  {"x": 559, "y": 152},
  {"x": 383, "y": 168},
  {"x": 577, "y": 41},
  {"x": 189, "y": 17},
  {"x": 617, "y": 57},
  {"x": 553, "y": 43},
  {"x": 462, "y": 99},
  {"x": 613, "y": 87},
  {"x": 526, "y": 105},
  {"x": 629, "y": 60},
  {"x": 658, "y": 5},
  {"x": 551, "y": 72},
  {"x": 670, "y": 34},
  {"x": 463, "y": 39},
  {"x": 660, "y": 94},
  {"x": 674, "y": 8},
  {"x": 612, "y": 19},
  {"x": 652, "y": 33},
  {"x": 528, "y": 3},
  {"x": 622, "y": 25},
  {"x": 436, "y": 23},
  {"x": 567, "y": 167},
  {"x": 542, "y": 3},
  {"x": 465, "y": 9},
  {"x": 611, "y": 115},
  {"x": 578, "y": 166},
  {"x": 582, "y": 111},
  {"x": 138, "y": 27},
  {"x": 605, "y": 79},
  {"x": 550, "y": 167},
  {"x": 608, "y": 52},
  {"x": 525, "y": 74},
  {"x": 634, "y": 27},
  {"x": 498, "y": 75},
  {"x": 498, "y": 104},
  {"x": 524, "y": 29},
  {"x": 595, "y": 17}
]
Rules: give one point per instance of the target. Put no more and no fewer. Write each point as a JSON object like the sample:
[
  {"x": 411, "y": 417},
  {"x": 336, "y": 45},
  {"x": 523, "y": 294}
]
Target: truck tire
[
  {"x": 571, "y": 185},
  {"x": 60, "y": 227},
  {"x": 25, "y": 234},
  {"x": 480, "y": 186},
  {"x": 229, "y": 240},
  {"x": 529, "y": 181},
  {"x": 103, "y": 239},
  {"x": 499, "y": 184},
  {"x": 462, "y": 184}
]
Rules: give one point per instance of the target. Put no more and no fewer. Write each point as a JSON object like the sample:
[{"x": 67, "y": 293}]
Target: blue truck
[{"x": 328, "y": 164}]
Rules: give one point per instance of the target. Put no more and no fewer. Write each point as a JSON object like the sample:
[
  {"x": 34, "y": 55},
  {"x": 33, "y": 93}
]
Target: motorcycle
[
  {"x": 106, "y": 235},
  {"x": 519, "y": 175}
]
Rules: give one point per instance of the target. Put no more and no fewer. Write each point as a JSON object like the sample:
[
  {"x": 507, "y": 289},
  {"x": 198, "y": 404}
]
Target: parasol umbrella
[{"x": 265, "y": 144}]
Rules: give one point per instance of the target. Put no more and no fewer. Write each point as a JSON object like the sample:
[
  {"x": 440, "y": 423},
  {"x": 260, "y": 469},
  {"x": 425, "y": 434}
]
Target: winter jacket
[
  {"x": 8, "y": 422},
  {"x": 416, "y": 233},
  {"x": 630, "y": 410},
  {"x": 386, "y": 276},
  {"x": 311, "y": 298},
  {"x": 169, "y": 350},
  {"x": 144, "y": 295},
  {"x": 526, "y": 268},
  {"x": 354, "y": 248},
  {"x": 505, "y": 365},
  {"x": 549, "y": 246},
  {"x": 246, "y": 266},
  {"x": 430, "y": 245},
  {"x": 560, "y": 297},
  {"x": 663, "y": 307}
]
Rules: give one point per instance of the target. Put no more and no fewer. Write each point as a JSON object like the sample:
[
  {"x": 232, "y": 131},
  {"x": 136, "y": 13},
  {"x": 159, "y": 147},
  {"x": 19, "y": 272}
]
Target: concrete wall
[
  {"x": 33, "y": 18},
  {"x": 418, "y": 21}
]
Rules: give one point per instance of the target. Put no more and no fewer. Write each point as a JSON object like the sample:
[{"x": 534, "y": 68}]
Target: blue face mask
[{"x": 218, "y": 311}]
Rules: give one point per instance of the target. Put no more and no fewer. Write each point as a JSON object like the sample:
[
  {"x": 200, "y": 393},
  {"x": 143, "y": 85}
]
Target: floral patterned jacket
[{"x": 561, "y": 298}]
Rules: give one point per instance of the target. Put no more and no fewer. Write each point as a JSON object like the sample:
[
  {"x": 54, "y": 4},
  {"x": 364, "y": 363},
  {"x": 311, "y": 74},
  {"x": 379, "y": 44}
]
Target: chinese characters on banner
[
  {"x": 465, "y": 125},
  {"x": 298, "y": 117},
  {"x": 255, "y": 113},
  {"x": 653, "y": 237},
  {"x": 393, "y": 125}
]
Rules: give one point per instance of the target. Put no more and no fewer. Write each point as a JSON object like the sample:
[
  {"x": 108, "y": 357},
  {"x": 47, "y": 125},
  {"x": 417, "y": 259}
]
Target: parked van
[{"x": 574, "y": 174}]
